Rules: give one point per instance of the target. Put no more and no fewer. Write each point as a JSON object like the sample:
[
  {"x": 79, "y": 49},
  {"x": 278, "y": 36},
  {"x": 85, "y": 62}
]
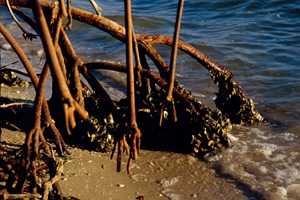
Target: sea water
[{"x": 258, "y": 41}]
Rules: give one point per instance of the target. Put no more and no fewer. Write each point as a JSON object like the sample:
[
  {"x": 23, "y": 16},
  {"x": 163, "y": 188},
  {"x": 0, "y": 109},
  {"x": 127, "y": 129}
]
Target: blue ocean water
[{"x": 258, "y": 41}]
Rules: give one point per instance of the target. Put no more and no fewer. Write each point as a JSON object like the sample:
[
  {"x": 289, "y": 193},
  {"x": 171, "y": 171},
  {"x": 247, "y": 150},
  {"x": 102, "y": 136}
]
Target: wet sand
[{"x": 155, "y": 174}]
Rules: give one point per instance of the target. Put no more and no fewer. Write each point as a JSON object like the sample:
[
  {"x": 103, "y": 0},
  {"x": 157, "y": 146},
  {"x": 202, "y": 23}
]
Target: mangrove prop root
[
  {"x": 137, "y": 57},
  {"x": 75, "y": 63},
  {"x": 215, "y": 123},
  {"x": 38, "y": 108},
  {"x": 58, "y": 139},
  {"x": 169, "y": 96},
  {"x": 228, "y": 87},
  {"x": 120, "y": 149},
  {"x": 20, "y": 196},
  {"x": 29, "y": 21},
  {"x": 55, "y": 67},
  {"x": 96, "y": 7},
  {"x": 36, "y": 132},
  {"x": 69, "y": 24},
  {"x": 37, "y": 124},
  {"x": 126, "y": 146},
  {"x": 134, "y": 135},
  {"x": 146, "y": 41},
  {"x": 162, "y": 104},
  {"x": 206, "y": 129},
  {"x": 136, "y": 142},
  {"x": 25, "y": 33},
  {"x": 54, "y": 179},
  {"x": 93, "y": 82},
  {"x": 130, "y": 81},
  {"x": 23, "y": 58}
]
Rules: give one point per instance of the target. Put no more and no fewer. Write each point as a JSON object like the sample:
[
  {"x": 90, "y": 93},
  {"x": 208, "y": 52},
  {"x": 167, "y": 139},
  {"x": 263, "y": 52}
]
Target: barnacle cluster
[
  {"x": 11, "y": 79},
  {"x": 208, "y": 135},
  {"x": 97, "y": 131},
  {"x": 232, "y": 100},
  {"x": 198, "y": 129},
  {"x": 208, "y": 129},
  {"x": 198, "y": 132}
]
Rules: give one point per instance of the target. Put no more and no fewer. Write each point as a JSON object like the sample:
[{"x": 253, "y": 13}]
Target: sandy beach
[{"x": 155, "y": 174}]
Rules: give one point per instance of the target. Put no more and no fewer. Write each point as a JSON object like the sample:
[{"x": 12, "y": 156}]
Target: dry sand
[{"x": 155, "y": 174}]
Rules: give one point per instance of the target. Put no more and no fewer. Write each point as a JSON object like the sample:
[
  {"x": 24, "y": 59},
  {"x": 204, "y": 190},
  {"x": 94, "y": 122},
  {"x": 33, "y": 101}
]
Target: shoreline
[{"x": 155, "y": 174}]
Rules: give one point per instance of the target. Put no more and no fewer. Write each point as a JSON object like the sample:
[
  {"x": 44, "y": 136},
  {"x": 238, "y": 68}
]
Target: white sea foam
[
  {"x": 294, "y": 189},
  {"x": 169, "y": 193},
  {"x": 212, "y": 157},
  {"x": 232, "y": 138},
  {"x": 40, "y": 52},
  {"x": 117, "y": 76},
  {"x": 262, "y": 169},
  {"x": 166, "y": 182},
  {"x": 137, "y": 177},
  {"x": 293, "y": 174},
  {"x": 178, "y": 75},
  {"x": 267, "y": 166},
  {"x": 266, "y": 149},
  {"x": 5, "y": 46},
  {"x": 242, "y": 149},
  {"x": 279, "y": 175},
  {"x": 272, "y": 156},
  {"x": 191, "y": 159},
  {"x": 278, "y": 193},
  {"x": 278, "y": 157},
  {"x": 288, "y": 136},
  {"x": 267, "y": 184}
]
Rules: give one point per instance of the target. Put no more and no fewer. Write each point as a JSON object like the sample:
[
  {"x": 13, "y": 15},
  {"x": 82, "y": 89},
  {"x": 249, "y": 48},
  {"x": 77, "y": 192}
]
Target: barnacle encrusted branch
[{"x": 232, "y": 100}]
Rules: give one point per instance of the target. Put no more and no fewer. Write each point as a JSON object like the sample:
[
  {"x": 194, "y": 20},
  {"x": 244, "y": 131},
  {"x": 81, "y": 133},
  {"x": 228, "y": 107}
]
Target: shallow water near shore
[{"x": 257, "y": 40}]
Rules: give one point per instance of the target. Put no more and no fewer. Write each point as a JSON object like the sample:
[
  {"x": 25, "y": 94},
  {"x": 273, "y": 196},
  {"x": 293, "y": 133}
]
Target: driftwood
[{"x": 120, "y": 123}]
